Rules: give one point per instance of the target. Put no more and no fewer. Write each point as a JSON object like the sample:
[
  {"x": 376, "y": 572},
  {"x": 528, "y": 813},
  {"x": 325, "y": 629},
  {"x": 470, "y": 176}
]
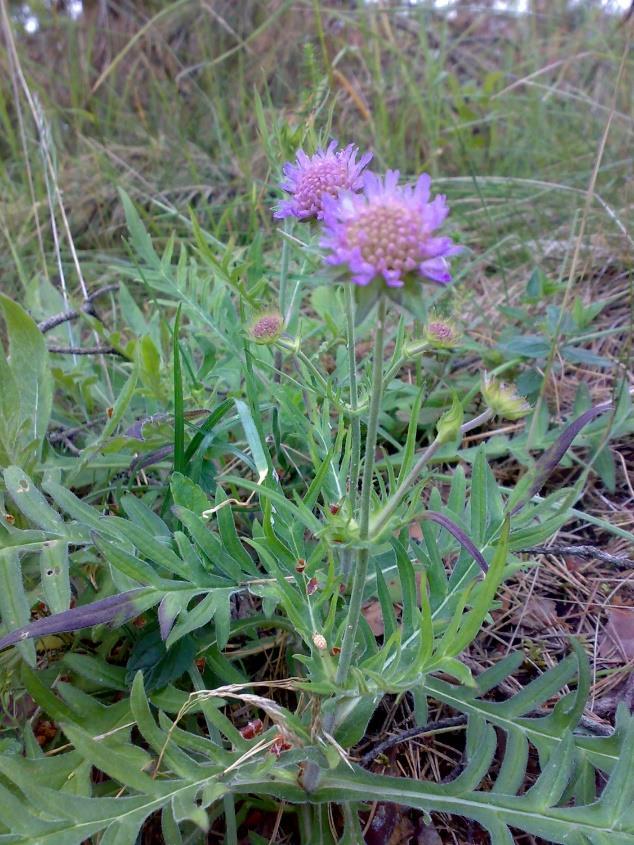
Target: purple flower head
[
  {"x": 387, "y": 231},
  {"x": 323, "y": 174}
]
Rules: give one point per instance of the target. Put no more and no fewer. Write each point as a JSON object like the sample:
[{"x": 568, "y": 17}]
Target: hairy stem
[
  {"x": 305, "y": 360},
  {"x": 363, "y": 554},
  {"x": 283, "y": 296},
  {"x": 355, "y": 430}
]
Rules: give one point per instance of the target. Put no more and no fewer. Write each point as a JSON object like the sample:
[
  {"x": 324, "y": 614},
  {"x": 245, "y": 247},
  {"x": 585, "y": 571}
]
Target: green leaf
[
  {"x": 207, "y": 427},
  {"x": 158, "y": 552},
  {"x": 188, "y": 494},
  {"x": 448, "y": 426},
  {"x": 139, "y": 238},
  {"x": 215, "y": 605},
  {"x": 131, "y": 566},
  {"x": 31, "y": 502},
  {"x": 478, "y": 497},
  {"x": 119, "y": 409},
  {"x": 210, "y": 545},
  {"x": 28, "y": 363},
  {"x": 96, "y": 671},
  {"x": 605, "y": 467},
  {"x": 76, "y": 508},
  {"x": 387, "y": 607},
  {"x": 115, "y": 762},
  {"x": 484, "y": 595},
  {"x": 55, "y": 576},
  {"x": 408, "y": 589},
  {"x": 150, "y": 365},
  {"x": 14, "y": 607},
  {"x": 173, "y": 757},
  {"x": 229, "y": 535},
  {"x": 139, "y": 513},
  {"x": 253, "y": 439},
  {"x": 410, "y": 443},
  {"x": 579, "y": 355},
  {"x": 179, "y": 409},
  {"x": 159, "y": 664},
  {"x": 526, "y": 346},
  {"x": 9, "y": 412}
]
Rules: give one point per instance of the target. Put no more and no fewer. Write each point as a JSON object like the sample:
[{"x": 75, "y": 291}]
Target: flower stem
[
  {"x": 305, "y": 360},
  {"x": 283, "y": 291},
  {"x": 283, "y": 296},
  {"x": 355, "y": 456},
  {"x": 363, "y": 554}
]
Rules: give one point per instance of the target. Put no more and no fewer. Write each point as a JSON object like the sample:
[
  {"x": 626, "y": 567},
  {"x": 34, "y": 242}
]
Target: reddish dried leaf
[
  {"x": 428, "y": 835},
  {"x": 415, "y": 531},
  {"x": 537, "y": 613},
  {"x": 252, "y": 729},
  {"x": 373, "y": 616},
  {"x": 383, "y": 822},
  {"x": 402, "y": 833},
  {"x": 620, "y": 631}
]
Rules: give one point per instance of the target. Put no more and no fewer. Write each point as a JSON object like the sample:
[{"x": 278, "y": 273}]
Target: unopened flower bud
[
  {"x": 437, "y": 334},
  {"x": 267, "y": 327},
  {"x": 319, "y": 641},
  {"x": 441, "y": 334},
  {"x": 448, "y": 426},
  {"x": 503, "y": 399}
]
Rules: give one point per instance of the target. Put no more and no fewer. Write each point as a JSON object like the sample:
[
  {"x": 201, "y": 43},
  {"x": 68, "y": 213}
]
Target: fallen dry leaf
[
  {"x": 415, "y": 531},
  {"x": 382, "y": 826},
  {"x": 373, "y": 616},
  {"x": 619, "y": 632},
  {"x": 404, "y": 830},
  {"x": 428, "y": 835},
  {"x": 536, "y": 613}
]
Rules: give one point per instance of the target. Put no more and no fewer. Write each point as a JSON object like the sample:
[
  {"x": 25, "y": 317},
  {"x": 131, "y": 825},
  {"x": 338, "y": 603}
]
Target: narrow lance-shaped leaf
[
  {"x": 179, "y": 419},
  {"x": 114, "y": 610},
  {"x": 30, "y": 500},
  {"x": 28, "y": 362},
  {"x": 457, "y": 532},
  {"x": 14, "y": 605},
  {"x": 551, "y": 457}
]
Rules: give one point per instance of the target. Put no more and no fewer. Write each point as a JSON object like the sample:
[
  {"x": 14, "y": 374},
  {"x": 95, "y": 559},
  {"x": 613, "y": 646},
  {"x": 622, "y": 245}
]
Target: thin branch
[
  {"x": 588, "y": 724},
  {"x": 87, "y": 350},
  {"x": 73, "y": 313},
  {"x": 584, "y": 552},
  {"x": 69, "y": 433},
  {"x": 411, "y": 733}
]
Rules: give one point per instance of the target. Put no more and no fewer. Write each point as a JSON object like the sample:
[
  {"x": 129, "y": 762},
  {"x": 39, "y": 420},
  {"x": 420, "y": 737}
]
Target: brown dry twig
[
  {"x": 584, "y": 552},
  {"x": 87, "y": 350},
  {"x": 590, "y": 725},
  {"x": 74, "y": 313},
  {"x": 420, "y": 730}
]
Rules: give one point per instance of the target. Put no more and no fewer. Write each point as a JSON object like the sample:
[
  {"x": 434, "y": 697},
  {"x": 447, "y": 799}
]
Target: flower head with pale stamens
[
  {"x": 441, "y": 334},
  {"x": 503, "y": 399},
  {"x": 266, "y": 327},
  {"x": 387, "y": 231},
  {"x": 325, "y": 173}
]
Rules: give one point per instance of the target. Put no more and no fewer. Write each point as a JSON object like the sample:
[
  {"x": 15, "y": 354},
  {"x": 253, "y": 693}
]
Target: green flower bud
[
  {"x": 437, "y": 334},
  {"x": 503, "y": 399},
  {"x": 340, "y": 525},
  {"x": 441, "y": 334},
  {"x": 448, "y": 426}
]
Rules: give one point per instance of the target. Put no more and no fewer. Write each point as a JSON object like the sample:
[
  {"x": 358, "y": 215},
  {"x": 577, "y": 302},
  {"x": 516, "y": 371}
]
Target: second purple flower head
[
  {"x": 324, "y": 174},
  {"x": 387, "y": 230}
]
